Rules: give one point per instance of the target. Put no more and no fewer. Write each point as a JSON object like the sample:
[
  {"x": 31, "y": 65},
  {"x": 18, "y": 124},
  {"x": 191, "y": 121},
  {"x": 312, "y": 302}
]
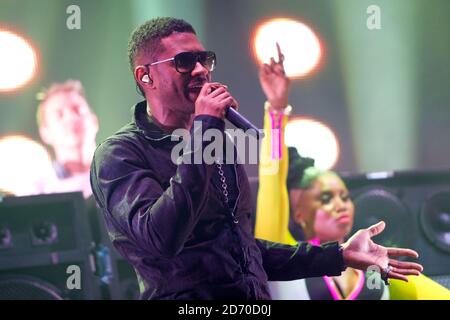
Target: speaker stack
[
  {"x": 416, "y": 209},
  {"x": 45, "y": 246},
  {"x": 56, "y": 247}
]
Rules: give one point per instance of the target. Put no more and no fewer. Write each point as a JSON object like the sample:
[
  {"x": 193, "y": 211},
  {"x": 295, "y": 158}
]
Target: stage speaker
[
  {"x": 45, "y": 248},
  {"x": 416, "y": 209}
]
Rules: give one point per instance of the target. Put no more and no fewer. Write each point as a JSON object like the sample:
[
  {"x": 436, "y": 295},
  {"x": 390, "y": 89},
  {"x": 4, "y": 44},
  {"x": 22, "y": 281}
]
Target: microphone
[{"x": 242, "y": 123}]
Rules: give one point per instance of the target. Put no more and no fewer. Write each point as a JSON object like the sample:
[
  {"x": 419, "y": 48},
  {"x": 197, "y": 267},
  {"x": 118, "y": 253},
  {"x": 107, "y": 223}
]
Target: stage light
[
  {"x": 313, "y": 139},
  {"x": 25, "y": 166},
  {"x": 18, "y": 61},
  {"x": 300, "y": 45}
]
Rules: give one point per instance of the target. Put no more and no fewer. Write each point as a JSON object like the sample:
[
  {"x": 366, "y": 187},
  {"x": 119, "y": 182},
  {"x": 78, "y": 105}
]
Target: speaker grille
[
  {"x": 375, "y": 204},
  {"x": 435, "y": 220}
]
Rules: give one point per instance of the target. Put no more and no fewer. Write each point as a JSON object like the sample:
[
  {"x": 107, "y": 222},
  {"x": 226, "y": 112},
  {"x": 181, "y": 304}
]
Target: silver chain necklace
[
  {"x": 224, "y": 186},
  {"x": 223, "y": 181}
]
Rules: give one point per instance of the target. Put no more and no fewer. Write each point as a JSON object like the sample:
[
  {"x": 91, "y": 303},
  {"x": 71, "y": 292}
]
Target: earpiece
[{"x": 145, "y": 78}]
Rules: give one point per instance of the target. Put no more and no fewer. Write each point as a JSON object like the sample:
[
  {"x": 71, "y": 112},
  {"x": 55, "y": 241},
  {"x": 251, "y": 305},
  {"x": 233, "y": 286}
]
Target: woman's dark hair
[{"x": 297, "y": 167}]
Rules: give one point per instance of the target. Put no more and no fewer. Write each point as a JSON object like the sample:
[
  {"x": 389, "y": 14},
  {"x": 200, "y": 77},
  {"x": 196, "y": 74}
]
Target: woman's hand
[{"x": 274, "y": 82}]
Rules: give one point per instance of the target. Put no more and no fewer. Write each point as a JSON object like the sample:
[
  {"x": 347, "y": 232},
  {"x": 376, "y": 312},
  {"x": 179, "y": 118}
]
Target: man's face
[
  {"x": 326, "y": 208},
  {"x": 174, "y": 90},
  {"x": 68, "y": 122}
]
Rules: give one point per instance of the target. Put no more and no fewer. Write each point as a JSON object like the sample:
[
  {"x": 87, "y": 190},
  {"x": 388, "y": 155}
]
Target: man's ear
[
  {"x": 46, "y": 136},
  {"x": 142, "y": 76}
]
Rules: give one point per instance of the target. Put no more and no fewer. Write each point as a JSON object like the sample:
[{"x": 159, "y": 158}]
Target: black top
[{"x": 168, "y": 221}]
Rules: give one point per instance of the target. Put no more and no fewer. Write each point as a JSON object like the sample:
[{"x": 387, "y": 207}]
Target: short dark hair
[{"x": 147, "y": 36}]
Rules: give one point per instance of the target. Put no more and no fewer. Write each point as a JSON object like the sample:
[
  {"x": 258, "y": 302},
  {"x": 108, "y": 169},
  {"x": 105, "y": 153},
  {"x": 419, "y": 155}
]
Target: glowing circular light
[
  {"x": 313, "y": 139},
  {"x": 17, "y": 61},
  {"x": 300, "y": 46},
  {"x": 25, "y": 166}
]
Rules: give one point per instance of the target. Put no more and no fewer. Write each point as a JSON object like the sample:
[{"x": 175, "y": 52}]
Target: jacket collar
[{"x": 147, "y": 126}]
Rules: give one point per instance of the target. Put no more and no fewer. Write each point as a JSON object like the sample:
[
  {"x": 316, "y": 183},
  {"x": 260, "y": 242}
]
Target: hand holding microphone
[{"x": 215, "y": 100}]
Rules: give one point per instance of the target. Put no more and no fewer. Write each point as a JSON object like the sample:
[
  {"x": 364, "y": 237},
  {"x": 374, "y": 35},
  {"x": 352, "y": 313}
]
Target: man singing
[{"x": 186, "y": 226}]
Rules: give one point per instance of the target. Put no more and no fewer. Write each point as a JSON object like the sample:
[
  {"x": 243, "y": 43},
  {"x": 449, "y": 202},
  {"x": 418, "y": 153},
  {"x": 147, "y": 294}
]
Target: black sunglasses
[{"x": 185, "y": 61}]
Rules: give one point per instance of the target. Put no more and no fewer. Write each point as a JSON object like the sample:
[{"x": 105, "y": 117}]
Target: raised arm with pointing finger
[{"x": 359, "y": 252}]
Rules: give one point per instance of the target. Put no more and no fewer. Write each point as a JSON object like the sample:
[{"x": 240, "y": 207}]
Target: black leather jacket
[{"x": 169, "y": 222}]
